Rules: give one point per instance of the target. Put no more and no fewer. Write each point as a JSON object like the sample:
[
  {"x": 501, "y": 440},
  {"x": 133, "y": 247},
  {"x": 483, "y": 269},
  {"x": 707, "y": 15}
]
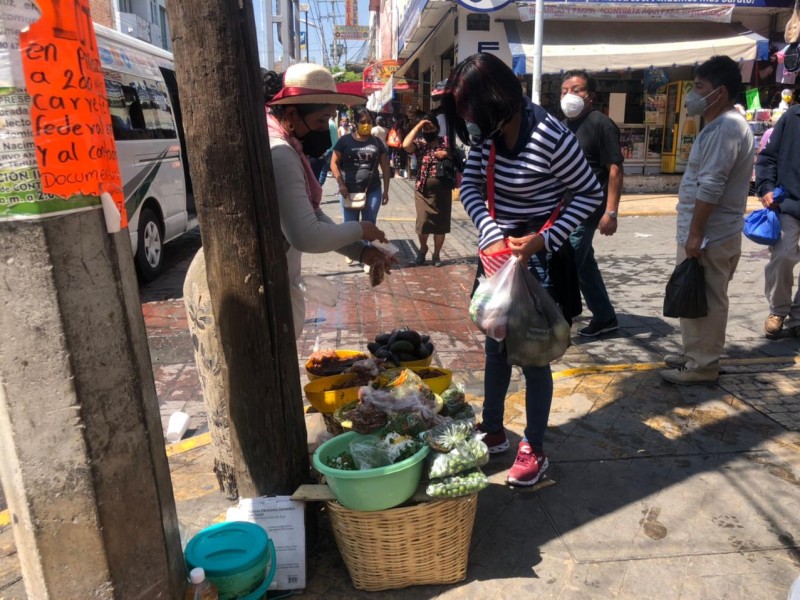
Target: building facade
[{"x": 144, "y": 20}]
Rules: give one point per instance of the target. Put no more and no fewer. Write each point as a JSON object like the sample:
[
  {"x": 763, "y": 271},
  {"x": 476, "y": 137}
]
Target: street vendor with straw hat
[{"x": 300, "y": 105}]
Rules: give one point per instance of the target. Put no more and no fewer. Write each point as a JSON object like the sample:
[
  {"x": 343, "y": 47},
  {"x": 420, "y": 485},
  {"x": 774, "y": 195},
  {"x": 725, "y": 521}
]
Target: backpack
[{"x": 393, "y": 138}]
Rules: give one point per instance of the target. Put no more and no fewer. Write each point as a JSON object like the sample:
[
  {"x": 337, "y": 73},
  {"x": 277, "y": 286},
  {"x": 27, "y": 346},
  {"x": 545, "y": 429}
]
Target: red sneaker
[
  {"x": 528, "y": 466},
  {"x": 496, "y": 441}
]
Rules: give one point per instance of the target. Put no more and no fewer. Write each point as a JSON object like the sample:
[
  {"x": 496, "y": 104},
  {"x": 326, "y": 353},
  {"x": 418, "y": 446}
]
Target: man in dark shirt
[
  {"x": 779, "y": 165},
  {"x": 598, "y": 137}
]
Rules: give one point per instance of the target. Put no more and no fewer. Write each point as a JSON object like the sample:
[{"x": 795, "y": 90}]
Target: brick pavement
[{"x": 636, "y": 263}]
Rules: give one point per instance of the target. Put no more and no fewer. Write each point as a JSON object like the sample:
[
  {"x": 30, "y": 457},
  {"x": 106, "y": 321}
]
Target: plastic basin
[
  {"x": 235, "y": 556},
  {"x": 340, "y": 354},
  {"x": 371, "y": 489},
  {"x": 326, "y": 400}
]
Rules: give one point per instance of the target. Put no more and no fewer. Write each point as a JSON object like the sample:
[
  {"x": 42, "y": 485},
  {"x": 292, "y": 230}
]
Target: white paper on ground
[{"x": 283, "y": 520}]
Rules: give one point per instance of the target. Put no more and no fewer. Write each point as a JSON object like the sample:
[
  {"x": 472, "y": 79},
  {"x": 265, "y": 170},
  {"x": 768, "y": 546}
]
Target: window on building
[
  {"x": 153, "y": 12},
  {"x": 164, "y": 33},
  {"x": 126, "y": 6}
]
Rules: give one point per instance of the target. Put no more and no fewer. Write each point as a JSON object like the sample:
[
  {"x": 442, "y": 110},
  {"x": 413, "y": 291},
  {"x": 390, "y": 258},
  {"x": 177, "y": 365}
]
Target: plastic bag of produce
[
  {"x": 466, "y": 455},
  {"x": 446, "y": 436},
  {"x": 537, "y": 331},
  {"x": 492, "y": 300},
  {"x": 370, "y": 453},
  {"x": 455, "y": 486}
]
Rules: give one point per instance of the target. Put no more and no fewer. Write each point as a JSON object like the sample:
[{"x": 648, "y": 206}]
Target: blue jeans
[
  {"x": 322, "y": 176},
  {"x": 538, "y": 384},
  {"x": 369, "y": 212},
  {"x": 591, "y": 281}
]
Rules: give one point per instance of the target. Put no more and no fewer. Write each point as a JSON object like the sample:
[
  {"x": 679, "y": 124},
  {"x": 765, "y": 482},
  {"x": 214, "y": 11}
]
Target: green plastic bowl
[{"x": 371, "y": 489}]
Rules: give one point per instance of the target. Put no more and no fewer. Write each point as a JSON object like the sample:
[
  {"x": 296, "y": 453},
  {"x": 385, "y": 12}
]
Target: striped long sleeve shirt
[{"x": 530, "y": 183}]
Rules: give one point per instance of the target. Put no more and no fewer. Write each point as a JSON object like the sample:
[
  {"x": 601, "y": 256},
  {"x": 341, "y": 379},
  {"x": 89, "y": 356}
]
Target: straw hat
[{"x": 307, "y": 83}]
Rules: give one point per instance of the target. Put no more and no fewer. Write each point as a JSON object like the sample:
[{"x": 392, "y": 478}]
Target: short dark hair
[
  {"x": 591, "y": 82},
  {"x": 721, "y": 71},
  {"x": 485, "y": 89},
  {"x": 431, "y": 118},
  {"x": 361, "y": 113},
  {"x": 380, "y": 121}
]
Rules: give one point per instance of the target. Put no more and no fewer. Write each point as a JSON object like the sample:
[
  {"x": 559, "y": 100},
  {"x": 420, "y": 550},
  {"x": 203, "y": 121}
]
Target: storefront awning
[{"x": 619, "y": 46}]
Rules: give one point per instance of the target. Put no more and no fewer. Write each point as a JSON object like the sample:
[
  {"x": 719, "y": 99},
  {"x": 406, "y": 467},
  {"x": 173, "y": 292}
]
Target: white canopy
[{"x": 631, "y": 45}]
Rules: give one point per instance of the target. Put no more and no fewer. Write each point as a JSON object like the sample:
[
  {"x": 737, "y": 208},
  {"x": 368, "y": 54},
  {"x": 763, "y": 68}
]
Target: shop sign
[
  {"x": 351, "y": 12},
  {"x": 631, "y": 11},
  {"x": 378, "y": 74},
  {"x": 484, "y": 5},
  {"x": 351, "y": 32}
]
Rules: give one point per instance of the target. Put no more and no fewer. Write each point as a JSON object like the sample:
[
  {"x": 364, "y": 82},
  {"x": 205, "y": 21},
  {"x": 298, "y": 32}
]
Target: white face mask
[
  {"x": 696, "y": 104},
  {"x": 572, "y": 105}
]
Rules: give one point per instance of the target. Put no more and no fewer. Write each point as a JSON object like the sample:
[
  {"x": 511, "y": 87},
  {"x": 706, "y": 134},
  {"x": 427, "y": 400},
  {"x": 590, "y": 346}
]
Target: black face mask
[
  {"x": 429, "y": 136},
  {"x": 316, "y": 143}
]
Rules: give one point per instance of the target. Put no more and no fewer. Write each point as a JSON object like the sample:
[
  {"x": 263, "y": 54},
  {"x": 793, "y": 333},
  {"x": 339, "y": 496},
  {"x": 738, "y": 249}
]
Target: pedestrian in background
[
  {"x": 778, "y": 164},
  {"x": 711, "y": 202},
  {"x": 598, "y": 137},
  {"x": 380, "y": 131},
  {"x": 354, "y": 164},
  {"x": 535, "y": 160},
  {"x": 433, "y": 192}
]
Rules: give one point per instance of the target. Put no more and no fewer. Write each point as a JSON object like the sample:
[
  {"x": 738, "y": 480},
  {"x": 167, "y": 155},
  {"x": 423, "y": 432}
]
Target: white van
[{"x": 145, "y": 115}]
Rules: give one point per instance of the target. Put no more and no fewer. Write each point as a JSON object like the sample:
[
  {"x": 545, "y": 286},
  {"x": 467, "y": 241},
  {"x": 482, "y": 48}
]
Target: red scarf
[{"x": 313, "y": 188}]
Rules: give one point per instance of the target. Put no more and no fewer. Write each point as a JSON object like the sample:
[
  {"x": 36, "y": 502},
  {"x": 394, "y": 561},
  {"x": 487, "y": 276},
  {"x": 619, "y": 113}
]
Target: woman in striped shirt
[{"x": 537, "y": 163}]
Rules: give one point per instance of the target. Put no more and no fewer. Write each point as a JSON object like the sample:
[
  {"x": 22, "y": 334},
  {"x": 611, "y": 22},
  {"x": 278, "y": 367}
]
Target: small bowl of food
[{"x": 332, "y": 362}]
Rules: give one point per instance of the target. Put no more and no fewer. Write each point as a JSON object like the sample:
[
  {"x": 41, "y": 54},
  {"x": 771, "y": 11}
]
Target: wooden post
[{"x": 219, "y": 81}]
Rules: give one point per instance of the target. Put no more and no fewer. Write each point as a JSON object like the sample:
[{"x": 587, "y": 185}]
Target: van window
[{"x": 139, "y": 108}]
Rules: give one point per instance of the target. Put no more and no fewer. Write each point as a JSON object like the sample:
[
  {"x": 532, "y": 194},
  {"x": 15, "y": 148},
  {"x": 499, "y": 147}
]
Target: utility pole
[
  {"x": 82, "y": 457},
  {"x": 216, "y": 61}
]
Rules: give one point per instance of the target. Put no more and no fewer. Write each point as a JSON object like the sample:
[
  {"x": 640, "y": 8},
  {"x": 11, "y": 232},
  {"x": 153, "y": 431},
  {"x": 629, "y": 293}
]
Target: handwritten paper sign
[{"x": 73, "y": 138}]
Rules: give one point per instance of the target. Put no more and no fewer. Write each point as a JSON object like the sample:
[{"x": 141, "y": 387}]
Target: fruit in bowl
[{"x": 403, "y": 347}]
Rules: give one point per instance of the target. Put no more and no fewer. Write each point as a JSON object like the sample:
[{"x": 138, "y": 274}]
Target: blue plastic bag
[{"x": 763, "y": 227}]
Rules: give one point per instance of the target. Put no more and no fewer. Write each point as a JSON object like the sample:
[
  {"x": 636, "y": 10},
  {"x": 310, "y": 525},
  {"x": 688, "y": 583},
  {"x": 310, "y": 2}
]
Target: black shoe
[
  {"x": 420, "y": 260},
  {"x": 437, "y": 262},
  {"x": 594, "y": 329}
]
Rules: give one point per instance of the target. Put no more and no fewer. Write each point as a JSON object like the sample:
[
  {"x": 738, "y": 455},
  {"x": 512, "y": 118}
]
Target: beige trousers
[
  {"x": 778, "y": 274},
  {"x": 704, "y": 338}
]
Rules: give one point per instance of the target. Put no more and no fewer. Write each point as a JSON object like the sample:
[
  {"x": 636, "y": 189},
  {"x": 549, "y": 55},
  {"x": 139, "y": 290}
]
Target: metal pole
[
  {"x": 538, "y": 27},
  {"x": 308, "y": 42}
]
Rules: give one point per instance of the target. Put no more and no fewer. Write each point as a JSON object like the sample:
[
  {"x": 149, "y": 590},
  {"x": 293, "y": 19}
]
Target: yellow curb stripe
[
  {"x": 186, "y": 445},
  {"x": 734, "y": 362},
  {"x": 204, "y": 439}
]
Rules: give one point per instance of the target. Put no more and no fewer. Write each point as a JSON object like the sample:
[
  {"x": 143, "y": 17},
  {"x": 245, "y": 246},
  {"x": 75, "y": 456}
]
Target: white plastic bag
[
  {"x": 492, "y": 300},
  {"x": 318, "y": 289},
  {"x": 537, "y": 330}
]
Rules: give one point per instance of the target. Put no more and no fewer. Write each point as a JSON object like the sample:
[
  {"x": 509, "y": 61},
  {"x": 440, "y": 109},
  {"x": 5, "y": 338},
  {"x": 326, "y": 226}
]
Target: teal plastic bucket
[
  {"x": 371, "y": 489},
  {"x": 235, "y": 556}
]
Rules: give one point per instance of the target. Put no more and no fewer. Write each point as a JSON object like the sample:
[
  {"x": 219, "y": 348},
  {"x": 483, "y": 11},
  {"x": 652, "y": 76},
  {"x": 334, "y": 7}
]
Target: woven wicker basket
[
  {"x": 390, "y": 549},
  {"x": 331, "y": 424}
]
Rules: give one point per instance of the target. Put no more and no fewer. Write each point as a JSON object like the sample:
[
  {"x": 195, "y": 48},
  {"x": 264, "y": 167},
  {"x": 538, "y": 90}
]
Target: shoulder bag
[{"x": 493, "y": 261}]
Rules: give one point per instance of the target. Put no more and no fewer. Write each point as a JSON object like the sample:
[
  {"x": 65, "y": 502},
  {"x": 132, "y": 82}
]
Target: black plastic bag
[{"x": 686, "y": 291}]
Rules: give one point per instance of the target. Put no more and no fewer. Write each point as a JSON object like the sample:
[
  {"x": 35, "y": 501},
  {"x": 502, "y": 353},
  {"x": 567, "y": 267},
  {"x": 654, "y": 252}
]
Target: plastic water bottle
[
  {"x": 200, "y": 588},
  {"x": 778, "y": 194}
]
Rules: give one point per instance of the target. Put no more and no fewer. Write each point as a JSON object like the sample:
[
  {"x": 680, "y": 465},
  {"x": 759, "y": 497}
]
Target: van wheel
[{"x": 149, "y": 251}]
